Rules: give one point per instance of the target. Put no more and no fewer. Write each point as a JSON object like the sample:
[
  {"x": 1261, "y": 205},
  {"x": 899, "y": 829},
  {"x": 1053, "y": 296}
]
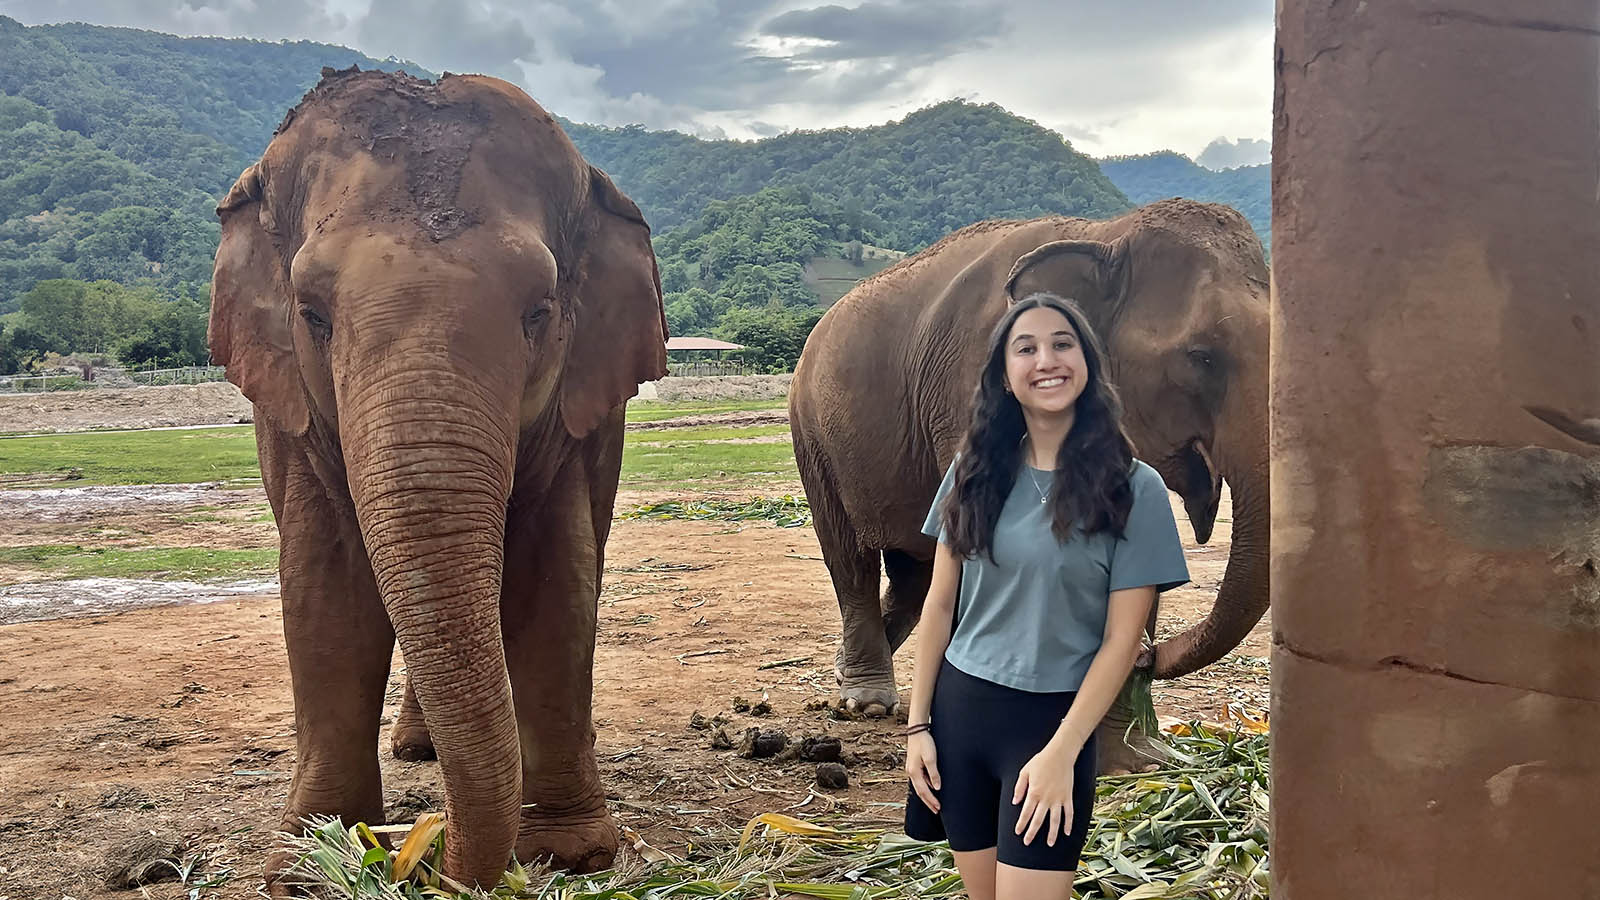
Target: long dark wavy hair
[{"x": 1092, "y": 490}]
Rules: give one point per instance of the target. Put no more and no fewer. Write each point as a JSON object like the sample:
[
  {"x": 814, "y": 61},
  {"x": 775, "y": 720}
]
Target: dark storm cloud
[{"x": 1090, "y": 69}]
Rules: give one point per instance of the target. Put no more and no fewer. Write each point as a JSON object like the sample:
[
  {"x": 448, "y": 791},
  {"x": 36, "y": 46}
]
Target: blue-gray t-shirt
[{"x": 1034, "y": 618}]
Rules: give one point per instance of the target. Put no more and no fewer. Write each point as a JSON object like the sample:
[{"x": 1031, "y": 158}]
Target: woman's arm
[
  {"x": 933, "y": 636},
  {"x": 1044, "y": 785},
  {"x": 1126, "y": 615}
]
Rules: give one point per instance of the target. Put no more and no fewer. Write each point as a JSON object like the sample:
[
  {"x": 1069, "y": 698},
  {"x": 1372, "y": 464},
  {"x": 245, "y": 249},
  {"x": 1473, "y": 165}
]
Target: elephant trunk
[
  {"x": 1242, "y": 599},
  {"x": 429, "y": 456}
]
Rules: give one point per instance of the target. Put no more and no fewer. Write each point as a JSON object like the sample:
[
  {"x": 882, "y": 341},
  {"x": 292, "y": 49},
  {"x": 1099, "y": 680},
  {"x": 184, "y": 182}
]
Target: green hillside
[
  {"x": 1157, "y": 176},
  {"x": 115, "y": 143},
  {"x": 911, "y": 181}
]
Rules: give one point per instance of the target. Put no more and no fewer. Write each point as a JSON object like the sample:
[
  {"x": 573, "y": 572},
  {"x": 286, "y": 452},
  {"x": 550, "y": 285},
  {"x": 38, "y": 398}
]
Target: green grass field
[
  {"x": 657, "y": 458},
  {"x": 169, "y": 563},
  {"x": 832, "y": 277},
  {"x": 135, "y": 457}
]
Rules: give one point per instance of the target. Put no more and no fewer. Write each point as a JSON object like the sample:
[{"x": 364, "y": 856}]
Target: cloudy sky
[{"x": 1129, "y": 77}]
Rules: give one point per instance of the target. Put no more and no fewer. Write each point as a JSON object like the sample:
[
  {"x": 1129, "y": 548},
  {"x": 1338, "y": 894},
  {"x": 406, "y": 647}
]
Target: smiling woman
[{"x": 1053, "y": 542}]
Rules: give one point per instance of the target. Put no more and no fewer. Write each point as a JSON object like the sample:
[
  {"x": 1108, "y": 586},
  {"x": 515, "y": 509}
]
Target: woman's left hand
[{"x": 1044, "y": 788}]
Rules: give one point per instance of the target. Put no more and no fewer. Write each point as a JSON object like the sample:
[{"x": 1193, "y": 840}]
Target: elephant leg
[
  {"x": 548, "y": 613},
  {"x": 909, "y": 579},
  {"x": 409, "y": 740},
  {"x": 339, "y": 644},
  {"x": 864, "y": 664}
]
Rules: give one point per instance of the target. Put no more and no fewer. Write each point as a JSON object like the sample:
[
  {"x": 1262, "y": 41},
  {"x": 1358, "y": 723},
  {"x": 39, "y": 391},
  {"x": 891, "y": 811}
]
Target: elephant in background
[
  {"x": 882, "y": 395},
  {"x": 438, "y": 310}
]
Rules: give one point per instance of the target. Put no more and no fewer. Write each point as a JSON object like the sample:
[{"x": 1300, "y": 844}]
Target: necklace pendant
[{"x": 1043, "y": 500}]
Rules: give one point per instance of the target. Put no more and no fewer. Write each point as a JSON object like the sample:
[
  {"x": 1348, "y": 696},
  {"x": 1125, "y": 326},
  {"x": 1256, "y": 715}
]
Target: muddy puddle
[
  {"x": 56, "y": 504},
  {"x": 39, "y": 601}
]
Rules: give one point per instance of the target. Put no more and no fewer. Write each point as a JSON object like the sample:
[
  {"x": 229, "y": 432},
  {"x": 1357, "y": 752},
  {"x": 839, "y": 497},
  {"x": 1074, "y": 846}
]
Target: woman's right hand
[{"x": 923, "y": 768}]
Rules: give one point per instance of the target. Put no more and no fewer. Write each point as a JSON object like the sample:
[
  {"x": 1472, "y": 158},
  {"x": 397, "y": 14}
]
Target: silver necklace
[{"x": 1044, "y": 497}]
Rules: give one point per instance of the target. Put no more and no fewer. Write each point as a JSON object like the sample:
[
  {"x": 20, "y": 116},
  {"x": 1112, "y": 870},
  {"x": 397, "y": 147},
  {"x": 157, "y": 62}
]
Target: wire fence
[
  {"x": 114, "y": 377},
  {"x": 109, "y": 377},
  {"x": 712, "y": 367}
]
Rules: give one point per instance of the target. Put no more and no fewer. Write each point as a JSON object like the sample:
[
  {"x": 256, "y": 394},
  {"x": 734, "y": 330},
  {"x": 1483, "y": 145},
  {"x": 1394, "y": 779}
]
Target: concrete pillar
[{"x": 1436, "y": 450}]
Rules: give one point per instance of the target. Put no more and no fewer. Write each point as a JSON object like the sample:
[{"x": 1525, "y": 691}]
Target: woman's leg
[
  {"x": 977, "y": 870},
  {"x": 1012, "y": 883}
]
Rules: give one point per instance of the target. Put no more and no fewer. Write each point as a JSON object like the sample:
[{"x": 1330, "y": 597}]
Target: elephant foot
[
  {"x": 412, "y": 744},
  {"x": 867, "y": 695},
  {"x": 869, "y": 698},
  {"x": 410, "y": 740},
  {"x": 283, "y": 880},
  {"x": 578, "y": 845},
  {"x": 1115, "y": 755}
]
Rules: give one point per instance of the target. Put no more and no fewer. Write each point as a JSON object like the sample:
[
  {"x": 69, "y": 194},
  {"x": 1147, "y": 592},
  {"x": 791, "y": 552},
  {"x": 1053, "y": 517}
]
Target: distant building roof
[{"x": 700, "y": 343}]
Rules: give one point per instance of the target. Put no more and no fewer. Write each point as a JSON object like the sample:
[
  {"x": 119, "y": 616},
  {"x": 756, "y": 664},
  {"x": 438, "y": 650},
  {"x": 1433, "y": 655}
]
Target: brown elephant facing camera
[
  {"x": 438, "y": 310},
  {"x": 882, "y": 395}
]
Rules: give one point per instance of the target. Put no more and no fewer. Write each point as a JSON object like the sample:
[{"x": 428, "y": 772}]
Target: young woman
[{"x": 1053, "y": 543}]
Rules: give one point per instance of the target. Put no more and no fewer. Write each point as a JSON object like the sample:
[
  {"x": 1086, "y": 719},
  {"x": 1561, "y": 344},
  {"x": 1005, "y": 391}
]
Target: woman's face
[{"x": 1045, "y": 367}]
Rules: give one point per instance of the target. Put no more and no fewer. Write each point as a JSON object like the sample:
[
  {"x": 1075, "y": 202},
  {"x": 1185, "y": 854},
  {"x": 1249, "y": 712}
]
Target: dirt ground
[
  {"x": 220, "y": 403},
  {"x": 129, "y": 710}
]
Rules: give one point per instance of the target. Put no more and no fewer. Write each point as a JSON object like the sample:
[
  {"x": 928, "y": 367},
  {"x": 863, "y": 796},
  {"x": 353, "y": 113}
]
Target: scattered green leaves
[
  {"x": 787, "y": 511},
  {"x": 1197, "y": 833}
]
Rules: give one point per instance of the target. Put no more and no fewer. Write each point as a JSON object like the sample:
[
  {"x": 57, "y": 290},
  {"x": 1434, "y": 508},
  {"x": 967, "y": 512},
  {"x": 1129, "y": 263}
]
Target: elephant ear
[
  {"x": 249, "y": 331},
  {"x": 1091, "y": 272},
  {"x": 619, "y": 325}
]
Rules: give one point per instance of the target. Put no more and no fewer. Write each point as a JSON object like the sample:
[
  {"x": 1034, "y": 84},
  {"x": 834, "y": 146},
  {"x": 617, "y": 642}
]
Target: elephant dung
[
  {"x": 821, "y": 749},
  {"x": 700, "y": 723},
  {"x": 833, "y": 776},
  {"x": 143, "y": 858},
  {"x": 758, "y": 744},
  {"x": 722, "y": 740}
]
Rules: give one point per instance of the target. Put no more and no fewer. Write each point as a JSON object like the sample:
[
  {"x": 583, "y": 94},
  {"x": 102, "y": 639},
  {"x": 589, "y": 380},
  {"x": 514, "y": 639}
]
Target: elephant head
[
  {"x": 1180, "y": 297},
  {"x": 414, "y": 280}
]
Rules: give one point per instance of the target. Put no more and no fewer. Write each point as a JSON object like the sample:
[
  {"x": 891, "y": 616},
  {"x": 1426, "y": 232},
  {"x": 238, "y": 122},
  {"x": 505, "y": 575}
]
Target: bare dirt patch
[
  {"x": 215, "y": 403},
  {"x": 178, "y": 718},
  {"x": 220, "y": 403}
]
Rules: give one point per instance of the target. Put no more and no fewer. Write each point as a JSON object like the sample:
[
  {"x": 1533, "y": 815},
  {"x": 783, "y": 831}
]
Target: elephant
[
  {"x": 882, "y": 393},
  {"x": 438, "y": 311}
]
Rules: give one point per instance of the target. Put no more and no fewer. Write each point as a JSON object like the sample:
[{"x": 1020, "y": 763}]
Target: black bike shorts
[{"x": 983, "y": 734}]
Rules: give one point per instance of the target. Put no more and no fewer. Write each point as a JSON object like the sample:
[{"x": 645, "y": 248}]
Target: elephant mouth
[{"x": 1202, "y": 487}]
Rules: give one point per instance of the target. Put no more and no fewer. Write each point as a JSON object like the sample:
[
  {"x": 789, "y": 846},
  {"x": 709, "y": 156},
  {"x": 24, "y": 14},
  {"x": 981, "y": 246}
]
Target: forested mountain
[
  {"x": 914, "y": 180},
  {"x": 115, "y": 144},
  {"x": 1156, "y": 176}
]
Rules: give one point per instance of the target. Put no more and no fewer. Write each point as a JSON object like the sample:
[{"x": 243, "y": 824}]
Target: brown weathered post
[{"x": 1436, "y": 450}]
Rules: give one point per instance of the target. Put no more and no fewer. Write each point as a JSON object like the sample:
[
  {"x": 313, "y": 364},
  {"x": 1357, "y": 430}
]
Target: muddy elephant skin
[
  {"x": 883, "y": 391},
  {"x": 438, "y": 310}
]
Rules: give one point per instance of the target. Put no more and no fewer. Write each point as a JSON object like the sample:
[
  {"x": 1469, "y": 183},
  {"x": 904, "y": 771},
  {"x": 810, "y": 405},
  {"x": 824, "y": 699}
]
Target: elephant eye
[
  {"x": 319, "y": 325},
  {"x": 1202, "y": 358},
  {"x": 533, "y": 319}
]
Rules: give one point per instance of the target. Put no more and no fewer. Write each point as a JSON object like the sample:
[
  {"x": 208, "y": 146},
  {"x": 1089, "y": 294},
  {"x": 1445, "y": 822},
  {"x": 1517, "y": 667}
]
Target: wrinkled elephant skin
[
  {"x": 438, "y": 310},
  {"x": 882, "y": 396}
]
